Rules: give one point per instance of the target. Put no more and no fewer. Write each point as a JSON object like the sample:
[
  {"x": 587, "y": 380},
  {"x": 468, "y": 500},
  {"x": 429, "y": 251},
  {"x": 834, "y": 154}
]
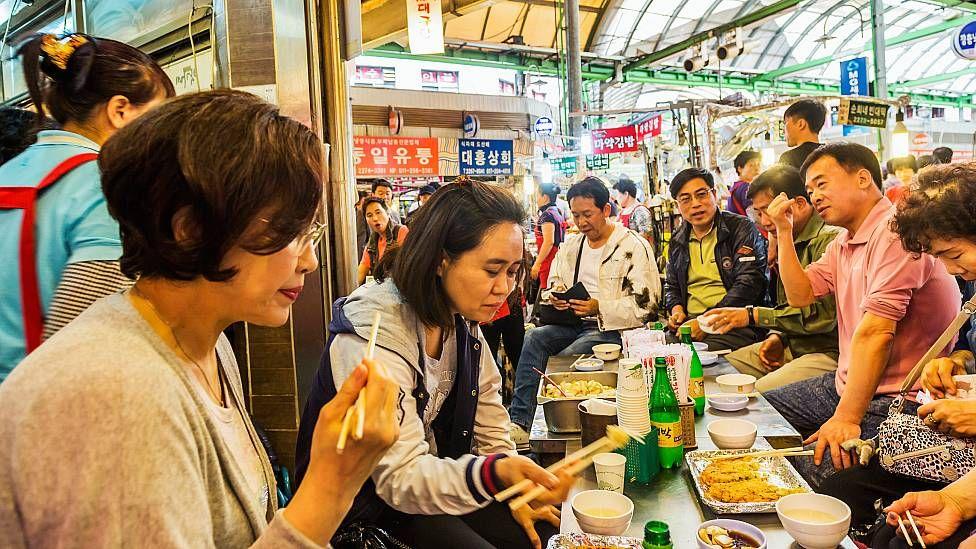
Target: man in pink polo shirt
[{"x": 891, "y": 306}]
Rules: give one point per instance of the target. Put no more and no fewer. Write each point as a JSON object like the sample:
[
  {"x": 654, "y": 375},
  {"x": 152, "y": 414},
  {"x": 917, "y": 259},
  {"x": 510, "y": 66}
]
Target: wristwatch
[{"x": 752, "y": 319}]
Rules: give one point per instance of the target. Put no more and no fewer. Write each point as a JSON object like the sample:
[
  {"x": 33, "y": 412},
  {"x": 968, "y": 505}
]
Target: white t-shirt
[{"x": 589, "y": 272}]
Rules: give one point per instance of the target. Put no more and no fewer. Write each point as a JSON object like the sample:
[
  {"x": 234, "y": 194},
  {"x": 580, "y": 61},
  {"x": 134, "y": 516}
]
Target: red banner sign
[
  {"x": 395, "y": 156},
  {"x": 650, "y": 127},
  {"x": 614, "y": 140}
]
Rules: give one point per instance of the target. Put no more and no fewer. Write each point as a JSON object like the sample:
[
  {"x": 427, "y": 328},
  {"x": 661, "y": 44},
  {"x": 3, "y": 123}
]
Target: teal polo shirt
[{"x": 72, "y": 225}]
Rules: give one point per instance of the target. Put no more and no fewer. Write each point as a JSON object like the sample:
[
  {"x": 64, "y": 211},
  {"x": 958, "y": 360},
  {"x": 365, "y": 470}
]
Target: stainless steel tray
[
  {"x": 562, "y": 414},
  {"x": 591, "y": 541},
  {"x": 777, "y": 471}
]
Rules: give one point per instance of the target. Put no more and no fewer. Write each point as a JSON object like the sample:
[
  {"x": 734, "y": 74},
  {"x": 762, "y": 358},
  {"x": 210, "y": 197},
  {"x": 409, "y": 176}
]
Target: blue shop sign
[{"x": 485, "y": 156}]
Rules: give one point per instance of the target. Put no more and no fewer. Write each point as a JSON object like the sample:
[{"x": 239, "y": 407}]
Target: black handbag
[
  {"x": 546, "y": 315},
  {"x": 365, "y": 536}
]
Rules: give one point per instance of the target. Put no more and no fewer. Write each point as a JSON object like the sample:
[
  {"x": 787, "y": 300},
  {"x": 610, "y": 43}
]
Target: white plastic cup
[
  {"x": 610, "y": 469},
  {"x": 630, "y": 378}
]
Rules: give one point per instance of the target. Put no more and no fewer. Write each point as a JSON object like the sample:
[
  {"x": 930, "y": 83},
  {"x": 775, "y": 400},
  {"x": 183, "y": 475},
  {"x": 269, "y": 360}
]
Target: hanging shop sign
[
  {"x": 543, "y": 126},
  {"x": 425, "y": 27},
  {"x": 485, "y": 156},
  {"x": 614, "y": 140},
  {"x": 471, "y": 124},
  {"x": 964, "y": 41},
  {"x": 378, "y": 156},
  {"x": 395, "y": 121},
  {"x": 853, "y": 81},
  {"x": 565, "y": 165},
  {"x": 597, "y": 162},
  {"x": 650, "y": 127},
  {"x": 862, "y": 113}
]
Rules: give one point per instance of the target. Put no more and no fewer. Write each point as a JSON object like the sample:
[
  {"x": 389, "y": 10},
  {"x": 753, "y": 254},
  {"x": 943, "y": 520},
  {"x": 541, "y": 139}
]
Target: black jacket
[{"x": 741, "y": 256}]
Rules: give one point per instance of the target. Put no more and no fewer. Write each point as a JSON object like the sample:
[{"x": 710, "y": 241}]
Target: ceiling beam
[
  {"x": 917, "y": 83},
  {"x": 902, "y": 39},
  {"x": 386, "y": 20},
  {"x": 552, "y": 4},
  {"x": 746, "y": 20}
]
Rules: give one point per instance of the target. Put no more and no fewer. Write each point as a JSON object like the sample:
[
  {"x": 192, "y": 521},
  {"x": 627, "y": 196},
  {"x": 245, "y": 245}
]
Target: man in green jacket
[{"x": 802, "y": 342}]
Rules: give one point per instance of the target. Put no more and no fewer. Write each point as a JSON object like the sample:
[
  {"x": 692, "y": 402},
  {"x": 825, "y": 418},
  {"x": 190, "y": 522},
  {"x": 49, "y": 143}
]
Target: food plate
[
  {"x": 777, "y": 472},
  {"x": 707, "y": 358},
  {"x": 579, "y": 540}
]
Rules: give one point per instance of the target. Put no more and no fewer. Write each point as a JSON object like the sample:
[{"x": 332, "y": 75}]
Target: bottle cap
[
  {"x": 685, "y": 330},
  {"x": 657, "y": 533},
  {"x": 661, "y": 361}
]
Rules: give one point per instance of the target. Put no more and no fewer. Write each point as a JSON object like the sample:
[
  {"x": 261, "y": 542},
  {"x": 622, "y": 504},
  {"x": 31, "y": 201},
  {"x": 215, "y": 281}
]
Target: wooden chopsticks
[
  {"x": 785, "y": 452},
  {"x": 359, "y": 408},
  {"x": 551, "y": 382},
  {"x": 904, "y": 531}
]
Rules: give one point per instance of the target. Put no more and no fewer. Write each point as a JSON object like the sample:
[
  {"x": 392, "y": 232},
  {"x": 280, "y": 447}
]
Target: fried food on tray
[
  {"x": 578, "y": 388},
  {"x": 740, "y": 481}
]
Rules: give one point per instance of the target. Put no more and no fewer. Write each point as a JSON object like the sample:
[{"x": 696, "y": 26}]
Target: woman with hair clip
[
  {"x": 61, "y": 245},
  {"x": 434, "y": 488}
]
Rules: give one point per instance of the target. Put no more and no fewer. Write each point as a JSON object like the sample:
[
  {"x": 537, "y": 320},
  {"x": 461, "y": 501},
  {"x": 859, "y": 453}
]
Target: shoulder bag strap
[{"x": 579, "y": 257}]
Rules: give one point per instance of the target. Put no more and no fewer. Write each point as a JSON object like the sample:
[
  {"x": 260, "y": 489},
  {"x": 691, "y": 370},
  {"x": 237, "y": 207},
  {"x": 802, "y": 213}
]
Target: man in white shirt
[{"x": 617, "y": 268}]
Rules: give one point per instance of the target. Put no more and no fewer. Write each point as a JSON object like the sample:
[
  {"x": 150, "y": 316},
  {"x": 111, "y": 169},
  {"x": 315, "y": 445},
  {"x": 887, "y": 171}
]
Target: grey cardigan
[{"x": 105, "y": 443}]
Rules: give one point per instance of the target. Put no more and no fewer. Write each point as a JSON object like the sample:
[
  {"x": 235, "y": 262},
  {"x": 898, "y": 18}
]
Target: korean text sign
[
  {"x": 377, "y": 156},
  {"x": 862, "y": 113},
  {"x": 650, "y": 127},
  {"x": 485, "y": 156},
  {"x": 614, "y": 140}
]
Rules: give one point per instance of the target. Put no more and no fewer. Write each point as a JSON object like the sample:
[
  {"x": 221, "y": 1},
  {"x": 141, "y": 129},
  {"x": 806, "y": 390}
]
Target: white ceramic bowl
[
  {"x": 736, "y": 383},
  {"x": 602, "y": 512},
  {"x": 607, "y": 351},
  {"x": 700, "y": 346},
  {"x": 589, "y": 365},
  {"x": 813, "y": 534},
  {"x": 707, "y": 358},
  {"x": 729, "y": 403},
  {"x": 733, "y": 526},
  {"x": 732, "y": 434}
]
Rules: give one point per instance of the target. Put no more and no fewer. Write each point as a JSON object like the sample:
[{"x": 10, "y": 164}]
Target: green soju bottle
[
  {"x": 657, "y": 535},
  {"x": 666, "y": 417},
  {"x": 696, "y": 386}
]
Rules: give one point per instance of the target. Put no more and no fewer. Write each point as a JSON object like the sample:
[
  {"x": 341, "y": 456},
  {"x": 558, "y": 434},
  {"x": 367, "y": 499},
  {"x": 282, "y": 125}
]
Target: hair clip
[{"x": 58, "y": 52}]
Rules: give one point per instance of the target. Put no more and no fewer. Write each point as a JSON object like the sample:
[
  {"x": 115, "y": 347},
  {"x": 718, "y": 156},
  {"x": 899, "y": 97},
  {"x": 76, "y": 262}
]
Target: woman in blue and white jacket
[{"x": 434, "y": 487}]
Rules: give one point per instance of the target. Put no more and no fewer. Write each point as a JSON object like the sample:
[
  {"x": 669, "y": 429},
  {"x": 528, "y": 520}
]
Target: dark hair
[
  {"x": 813, "y": 112},
  {"x": 625, "y": 185},
  {"x": 427, "y": 190},
  {"x": 374, "y": 200},
  {"x": 686, "y": 175},
  {"x": 944, "y": 154},
  {"x": 904, "y": 163},
  {"x": 225, "y": 157},
  {"x": 590, "y": 187},
  {"x": 940, "y": 206},
  {"x": 381, "y": 183},
  {"x": 781, "y": 178},
  {"x": 551, "y": 190},
  {"x": 851, "y": 156},
  {"x": 927, "y": 160},
  {"x": 18, "y": 130},
  {"x": 453, "y": 222},
  {"x": 744, "y": 158},
  {"x": 70, "y": 77}
]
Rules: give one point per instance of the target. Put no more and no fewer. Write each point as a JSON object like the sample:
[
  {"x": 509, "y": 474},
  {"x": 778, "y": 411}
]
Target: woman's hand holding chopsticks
[{"x": 513, "y": 470}]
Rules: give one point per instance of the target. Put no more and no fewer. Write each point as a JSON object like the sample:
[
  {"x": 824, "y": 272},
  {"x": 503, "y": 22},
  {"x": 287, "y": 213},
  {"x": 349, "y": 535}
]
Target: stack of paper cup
[{"x": 632, "y": 398}]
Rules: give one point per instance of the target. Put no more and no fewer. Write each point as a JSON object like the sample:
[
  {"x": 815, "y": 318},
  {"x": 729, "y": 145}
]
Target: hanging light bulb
[
  {"x": 768, "y": 153},
  {"x": 900, "y": 139}
]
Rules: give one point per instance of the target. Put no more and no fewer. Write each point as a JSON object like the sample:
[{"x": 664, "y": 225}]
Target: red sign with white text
[
  {"x": 614, "y": 140},
  {"x": 377, "y": 156},
  {"x": 650, "y": 127}
]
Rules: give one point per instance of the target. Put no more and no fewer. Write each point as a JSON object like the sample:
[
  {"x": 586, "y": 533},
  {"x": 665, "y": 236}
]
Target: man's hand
[
  {"x": 697, "y": 334},
  {"x": 585, "y": 307},
  {"x": 830, "y": 436},
  {"x": 956, "y": 417},
  {"x": 677, "y": 318},
  {"x": 780, "y": 210},
  {"x": 726, "y": 319},
  {"x": 559, "y": 304},
  {"x": 772, "y": 353}
]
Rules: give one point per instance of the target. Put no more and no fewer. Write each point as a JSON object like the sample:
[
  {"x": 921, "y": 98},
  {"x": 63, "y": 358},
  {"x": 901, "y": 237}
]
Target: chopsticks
[
  {"x": 785, "y": 452},
  {"x": 720, "y": 395},
  {"x": 911, "y": 520},
  {"x": 359, "y": 408},
  {"x": 577, "y": 361},
  {"x": 551, "y": 382}
]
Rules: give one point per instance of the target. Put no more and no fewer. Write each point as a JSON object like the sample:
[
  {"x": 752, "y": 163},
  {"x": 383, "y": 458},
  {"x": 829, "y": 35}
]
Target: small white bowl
[
  {"x": 736, "y": 383},
  {"x": 729, "y": 403},
  {"x": 700, "y": 346},
  {"x": 707, "y": 358},
  {"x": 616, "y": 510},
  {"x": 589, "y": 365},
  {"x": 607, "y": 351},
  {"x": 732, "y": 434},
  {"x": 733, "y": 526},
  {"x": 809, "y": 533}
]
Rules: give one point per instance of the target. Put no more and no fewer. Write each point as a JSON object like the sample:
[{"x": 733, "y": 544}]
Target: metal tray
[
  {"x": 777, "y": 470},
  {"x": 562, "y": 414},
  {"x": 591, "y": 541}
]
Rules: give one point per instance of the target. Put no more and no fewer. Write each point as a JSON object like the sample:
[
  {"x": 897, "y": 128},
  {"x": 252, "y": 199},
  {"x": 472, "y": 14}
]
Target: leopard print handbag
[{"x": 907, "y": 446}]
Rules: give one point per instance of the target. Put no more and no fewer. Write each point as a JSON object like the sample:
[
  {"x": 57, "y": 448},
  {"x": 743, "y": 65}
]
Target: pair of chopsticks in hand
[
  {"x": 359, "y": 408},
  {"x": 911, "y": 520}
]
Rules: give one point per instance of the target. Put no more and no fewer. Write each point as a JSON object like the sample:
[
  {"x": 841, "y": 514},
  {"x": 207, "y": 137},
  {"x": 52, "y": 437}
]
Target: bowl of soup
[
  {"x": 730, "y": 534},
  {"x": 603, "y": 512},
  {"x": 815, "y": 521}
]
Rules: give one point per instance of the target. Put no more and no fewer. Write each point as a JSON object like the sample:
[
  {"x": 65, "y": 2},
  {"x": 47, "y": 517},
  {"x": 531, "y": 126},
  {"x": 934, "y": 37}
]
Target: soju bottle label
[
  {"x": 696, "y": 389},
  {"x": 668, "y": 434}
]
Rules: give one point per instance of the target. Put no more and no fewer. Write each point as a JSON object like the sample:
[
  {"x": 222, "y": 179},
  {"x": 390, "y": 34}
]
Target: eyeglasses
[
  {"x": 699, "y": 196},
  {"x": 312, "y": 236}
]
